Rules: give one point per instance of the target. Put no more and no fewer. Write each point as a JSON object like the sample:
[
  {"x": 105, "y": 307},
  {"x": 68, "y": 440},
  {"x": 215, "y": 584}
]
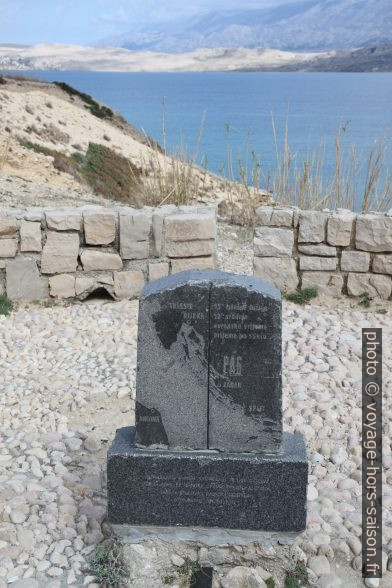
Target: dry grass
[
  {"x": 4, "y": 151},
  {"x": 307, "y": 185},
  {"x": 172, "y": 178}
]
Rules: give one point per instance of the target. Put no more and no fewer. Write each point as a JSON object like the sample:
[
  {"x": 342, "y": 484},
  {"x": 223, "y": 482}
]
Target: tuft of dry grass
[
  {"x": 4, "y": 151},
  {"x": 307, "y": 185},
  {"x": 172, "y": 178}
]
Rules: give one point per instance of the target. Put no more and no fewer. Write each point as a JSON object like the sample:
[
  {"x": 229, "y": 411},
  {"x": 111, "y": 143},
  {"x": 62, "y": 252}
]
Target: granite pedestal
[{"x": 207, "y": 488}]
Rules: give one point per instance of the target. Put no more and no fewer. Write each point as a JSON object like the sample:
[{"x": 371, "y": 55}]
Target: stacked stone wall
[
  {"x": 337, "y": 252},
  {"x": 70, "y": 253}
]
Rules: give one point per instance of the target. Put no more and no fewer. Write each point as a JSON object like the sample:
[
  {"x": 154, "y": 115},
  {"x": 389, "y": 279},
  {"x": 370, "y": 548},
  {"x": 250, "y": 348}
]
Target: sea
[{"x": 218, "y": 118}]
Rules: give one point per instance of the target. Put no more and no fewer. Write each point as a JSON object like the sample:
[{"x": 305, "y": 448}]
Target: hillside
[
  {"x": 304, "y": 25},
  {"x": 61, "y": 147},
  {"x": 73, "y": 57},
  {"x": 369, "y": 59},
  {"x": 76, "y": 58}
]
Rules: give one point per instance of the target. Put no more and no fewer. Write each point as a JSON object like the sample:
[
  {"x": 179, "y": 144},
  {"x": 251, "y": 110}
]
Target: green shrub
[
  {"x": 92, "y": 105},
  {"x": 301, "y": 296},
  {"x": 186, "y": 572},
  {"x": 106, "y": 172},
  {"x": 298, "y": 577},
  {"x": 107, "y": 565},
  {"x": 270, "y": 582},
  {"x": 110, "y": 174},
  {"x": 365, "y": 301},
  {"x": 5, "y": 304}
]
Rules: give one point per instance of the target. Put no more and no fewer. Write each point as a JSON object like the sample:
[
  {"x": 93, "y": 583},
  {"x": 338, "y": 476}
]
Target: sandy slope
[
  {"x": 44, "y": 114},
  {"x": 73, "y": 57}
]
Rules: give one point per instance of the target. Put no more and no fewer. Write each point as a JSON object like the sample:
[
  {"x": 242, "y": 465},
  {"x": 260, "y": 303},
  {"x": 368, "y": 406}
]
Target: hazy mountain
[{"x": 302, "y": 25}]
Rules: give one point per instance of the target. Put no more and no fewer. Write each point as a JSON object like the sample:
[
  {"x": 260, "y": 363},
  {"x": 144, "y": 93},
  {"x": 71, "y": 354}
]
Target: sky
[{"x": 86, "y": 21}]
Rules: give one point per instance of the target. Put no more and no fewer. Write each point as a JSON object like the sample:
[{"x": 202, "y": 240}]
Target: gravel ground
[{"x": 68, "y": 381}]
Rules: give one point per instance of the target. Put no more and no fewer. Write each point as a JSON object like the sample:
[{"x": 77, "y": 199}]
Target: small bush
[
  {"x": 365, "y": 301},
  {"x": 5, "y": 305},
  {"x": 107, "y": 565},
  {"x": 301, "y": 296},
  {"x": 186, "y": 572},
  {"x": 3, "y": 81},
  {"x": 106, "y": 172},
  {"x": 297, "y": 578},
  {"x": 92, "y": 105},
  {"x": 270, "y": 582},
  {"x": 109, "y": 173}
]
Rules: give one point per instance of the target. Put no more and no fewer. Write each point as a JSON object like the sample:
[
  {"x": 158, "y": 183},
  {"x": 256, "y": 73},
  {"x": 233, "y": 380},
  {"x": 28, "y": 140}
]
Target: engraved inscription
[{"x": 245, "y": 370}]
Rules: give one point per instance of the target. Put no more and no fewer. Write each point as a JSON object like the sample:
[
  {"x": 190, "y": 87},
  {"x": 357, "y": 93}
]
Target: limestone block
[
  {"x": 34, "y": 214},
  {"x": 8, "y": 247},
  {"x": 263, "y": 215},
  {"x": 190, "y": 227},
  {"x": 100, "y": 260},
  {"x": 282, "y": 217},
  {"x": 158, "y": 270},
  {"x": 324, "y": 282},
  {"x": 135, "y": 226},
  {"x": 190, "y": 248},
  {"x": 339, "y": 229},
  {"x": 355, "y": 261},
  {"x": 64, "y": 220},
  {"x": 60, "y": 253},
  {"x": 30, "y": 236},
  {"x": 280, "y": 271},
  {"x": 99, "y": 226},
  {"x": 312, "y": 226},
  {"x": 157, "y": 232},
  {"x": 322, "y": 264},
  {"x": 382, "y": 264},
  {"x": 23, "y": 280},
  {"x": 105, "y": 279},
  {"x": 62, "y": 286},
  {"x": 8, "y": 226},
  {"x": 83, "y": 285},
  {"x": 128, "y": 284},
  {"x": 180, "y": 265},
  {"x": 136, "y": 250},
  {"x": 375, "y": 286},
  {"x": 320, "y": 250},
  {"x": 374, "y": 233},
  {"x": 271, "y": 242}
]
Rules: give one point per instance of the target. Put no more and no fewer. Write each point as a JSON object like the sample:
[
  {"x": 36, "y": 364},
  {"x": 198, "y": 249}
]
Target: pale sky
[{"x": 86, "y": 21}]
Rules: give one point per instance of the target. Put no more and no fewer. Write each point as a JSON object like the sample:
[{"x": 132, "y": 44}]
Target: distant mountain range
[{"x": 311, "y": 25}]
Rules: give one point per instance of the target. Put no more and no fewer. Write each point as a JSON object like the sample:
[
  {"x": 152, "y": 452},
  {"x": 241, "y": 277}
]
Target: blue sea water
[{"x": 237, "y": 110}]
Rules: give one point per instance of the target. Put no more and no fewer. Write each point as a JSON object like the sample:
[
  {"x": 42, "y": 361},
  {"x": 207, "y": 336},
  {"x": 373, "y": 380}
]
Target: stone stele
[
  {"x": 215, "y": 341},
  {"x": 208, "y": 447}
]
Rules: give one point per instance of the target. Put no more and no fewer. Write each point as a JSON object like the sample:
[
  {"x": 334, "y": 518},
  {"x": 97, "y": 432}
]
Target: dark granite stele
[{"x": 207, "y": 488}]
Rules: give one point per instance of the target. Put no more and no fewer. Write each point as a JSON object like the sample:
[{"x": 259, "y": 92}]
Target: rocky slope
[{"x": 299, "y": 25}]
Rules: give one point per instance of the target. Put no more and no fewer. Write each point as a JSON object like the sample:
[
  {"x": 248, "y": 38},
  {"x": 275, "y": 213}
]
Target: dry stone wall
[
  {"x": 69, "y": 253},
  {"x": 337, "y": 252}
]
